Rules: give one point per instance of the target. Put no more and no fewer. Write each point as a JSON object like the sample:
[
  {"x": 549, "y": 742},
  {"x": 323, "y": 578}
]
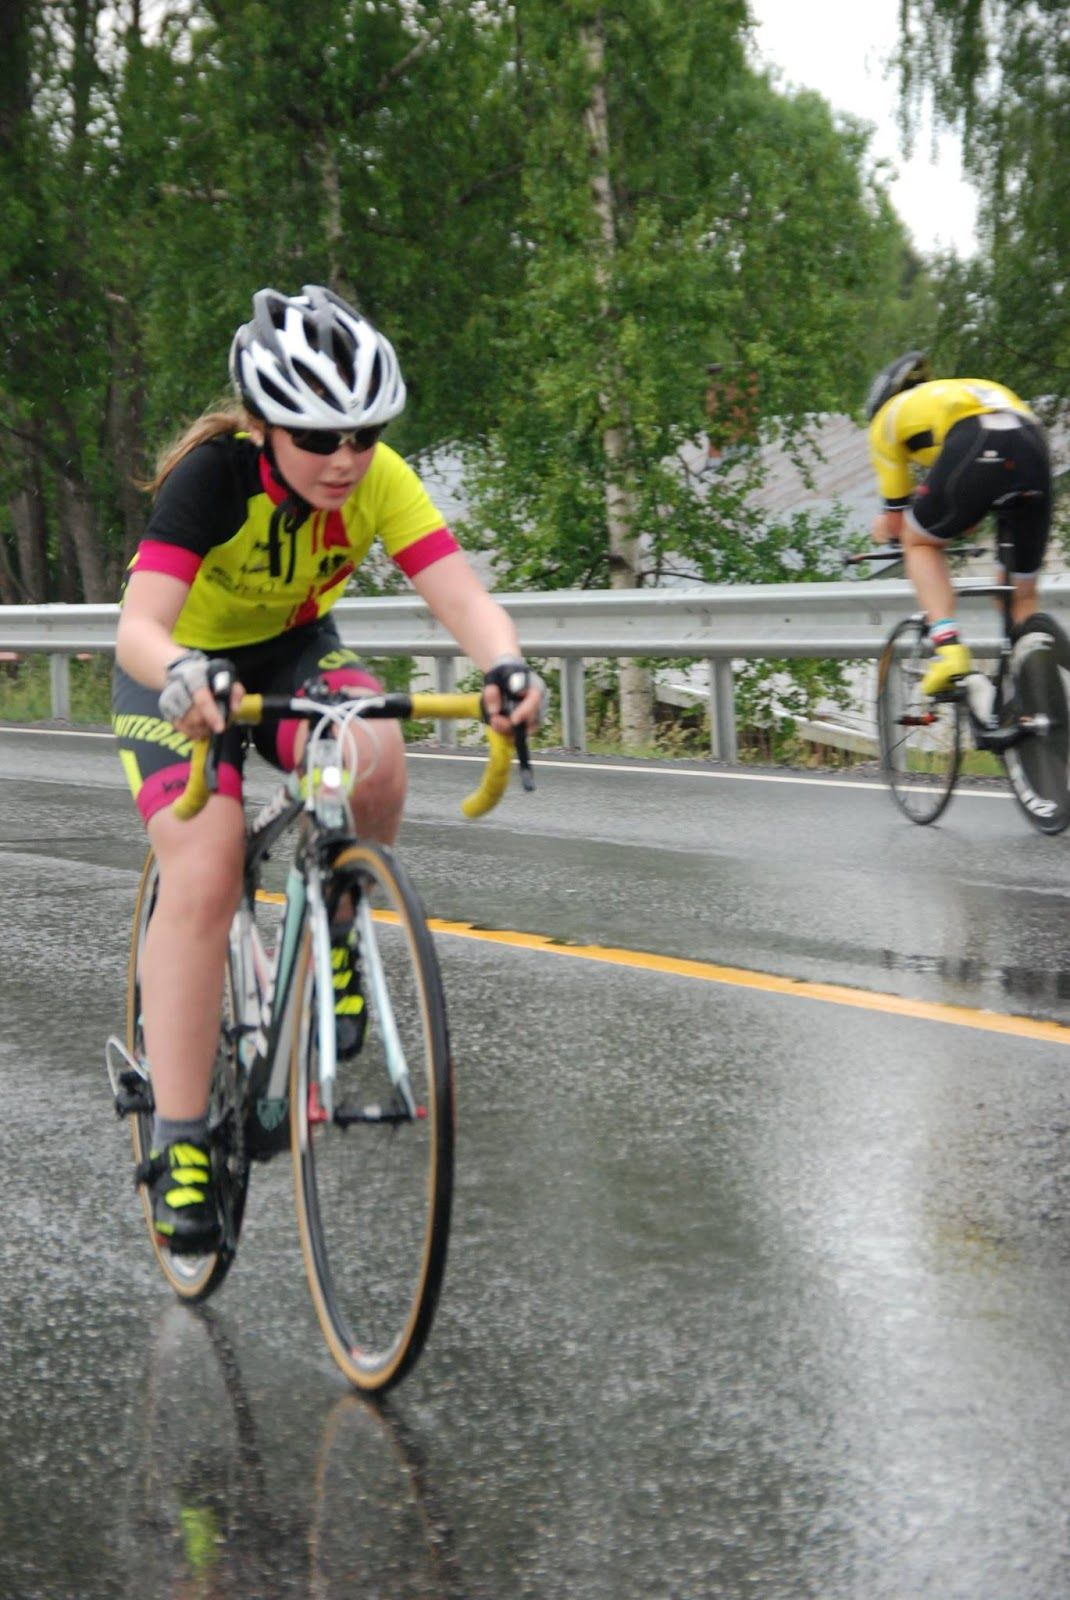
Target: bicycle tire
[
  {"x": 1039, "y": 767},
  {"x": 192, "y": 1277},
  {"x": 373, "y": 1197},
  {"x": 920, "y": 737}
]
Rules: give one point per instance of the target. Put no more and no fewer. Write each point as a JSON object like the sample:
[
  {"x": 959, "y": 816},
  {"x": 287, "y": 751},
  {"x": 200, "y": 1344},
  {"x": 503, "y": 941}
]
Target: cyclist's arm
[
  {"x": 145, "y": 646},
  {"x": 483, "y": 629},
  {"x": 887, "y": 527}
]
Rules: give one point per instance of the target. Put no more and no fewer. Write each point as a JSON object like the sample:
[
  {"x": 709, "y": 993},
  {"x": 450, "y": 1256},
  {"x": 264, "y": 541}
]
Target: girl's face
[{"x": 323, "y": 480}]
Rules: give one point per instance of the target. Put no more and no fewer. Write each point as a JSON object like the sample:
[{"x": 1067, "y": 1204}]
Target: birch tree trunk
[
  {"x": 334, "y": 237},
  {"x": 636, "y": 699}
]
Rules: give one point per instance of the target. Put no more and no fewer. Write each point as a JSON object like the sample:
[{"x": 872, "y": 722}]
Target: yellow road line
[{"x": 743, "y": 978}]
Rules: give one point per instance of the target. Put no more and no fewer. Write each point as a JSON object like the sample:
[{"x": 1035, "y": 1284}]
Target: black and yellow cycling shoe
[
  {"x": 350, "y": 1010},
  {"x": 184, "y": 1210}
]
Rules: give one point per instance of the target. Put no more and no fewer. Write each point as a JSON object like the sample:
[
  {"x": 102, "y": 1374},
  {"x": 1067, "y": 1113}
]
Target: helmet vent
[{"x": 309, "y": 377}]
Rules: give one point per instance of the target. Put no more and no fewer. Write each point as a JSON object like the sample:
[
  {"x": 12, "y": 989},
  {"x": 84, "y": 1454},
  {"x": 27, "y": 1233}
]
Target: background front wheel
[{"x": 920, "y": 737}]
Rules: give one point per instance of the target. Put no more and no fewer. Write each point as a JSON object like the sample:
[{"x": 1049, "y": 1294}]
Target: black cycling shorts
[
  {"x": 156, "y": 756},
  {"x": 995, "y": 462}
]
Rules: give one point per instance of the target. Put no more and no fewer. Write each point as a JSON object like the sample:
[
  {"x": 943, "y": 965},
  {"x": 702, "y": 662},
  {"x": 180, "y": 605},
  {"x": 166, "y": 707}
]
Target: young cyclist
[
  {"x": 976, "y": 447},
  {"x": 261, "y": 514}
]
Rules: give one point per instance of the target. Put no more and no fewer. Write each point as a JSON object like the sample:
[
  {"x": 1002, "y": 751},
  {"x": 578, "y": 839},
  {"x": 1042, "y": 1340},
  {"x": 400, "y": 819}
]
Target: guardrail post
[
  {"x": 59, "y": 672},
  {"x": 723, "y": 743},
  {"x": 573, "y": 703},
  {"x": 445, "y": 683}
]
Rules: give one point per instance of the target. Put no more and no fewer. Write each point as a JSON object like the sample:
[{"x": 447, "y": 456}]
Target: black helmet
[{"x": 902, "y": 373}]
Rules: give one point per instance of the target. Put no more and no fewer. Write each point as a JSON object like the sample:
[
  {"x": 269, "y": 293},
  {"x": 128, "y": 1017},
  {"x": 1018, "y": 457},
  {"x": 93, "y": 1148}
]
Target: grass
[{"x": 26, "y": 690}]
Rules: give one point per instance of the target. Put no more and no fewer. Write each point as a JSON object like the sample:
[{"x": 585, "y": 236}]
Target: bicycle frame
[{"x": 263, "y": 985}]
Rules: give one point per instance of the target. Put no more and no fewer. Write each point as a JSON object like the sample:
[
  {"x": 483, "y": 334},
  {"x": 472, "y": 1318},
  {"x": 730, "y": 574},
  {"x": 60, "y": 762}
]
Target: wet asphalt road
[{"x": 749, "y": 1295}]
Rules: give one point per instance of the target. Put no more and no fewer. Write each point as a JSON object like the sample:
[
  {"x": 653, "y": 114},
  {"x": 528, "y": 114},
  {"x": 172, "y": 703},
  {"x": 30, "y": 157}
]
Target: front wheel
[
  {"x": 374, "y": 1180},
  {"x": 192, "y": 1277},
  {"x": 920, "y": 737},
  {"x": 1039, "y": 767}
]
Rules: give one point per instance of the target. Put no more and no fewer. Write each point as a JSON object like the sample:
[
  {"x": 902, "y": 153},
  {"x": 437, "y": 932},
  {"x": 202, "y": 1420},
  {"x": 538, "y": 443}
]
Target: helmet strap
[{"x": 287, "y": 517}]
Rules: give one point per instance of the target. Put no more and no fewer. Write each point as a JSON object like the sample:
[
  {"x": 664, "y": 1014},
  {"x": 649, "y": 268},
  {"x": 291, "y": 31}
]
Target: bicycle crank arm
[
  {"x": 345, "y": 1115},
  {"x": 1000, "y": 739},
  {"x": 130, "y": 1087}
]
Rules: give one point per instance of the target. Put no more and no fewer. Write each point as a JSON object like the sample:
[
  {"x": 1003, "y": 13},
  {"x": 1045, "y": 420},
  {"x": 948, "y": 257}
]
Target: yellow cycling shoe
[{"x": 952, "y": 661}]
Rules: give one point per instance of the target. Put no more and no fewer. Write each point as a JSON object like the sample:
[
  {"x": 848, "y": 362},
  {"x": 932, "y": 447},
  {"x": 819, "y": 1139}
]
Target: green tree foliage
[
  {"x": 748, "y": 231},
  {"x": 153, "y": 181},
  {"x": 438, "y": 160},
  {"x": 998, "y": 71}
]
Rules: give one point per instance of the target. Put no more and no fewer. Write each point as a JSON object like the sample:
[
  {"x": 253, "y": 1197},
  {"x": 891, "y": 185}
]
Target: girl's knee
[
  {"x": 379, "y": 794},
  {"x": 200, "y": 866}
]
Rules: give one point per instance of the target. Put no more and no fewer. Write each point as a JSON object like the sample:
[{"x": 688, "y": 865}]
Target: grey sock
[{"x": 165, "y": 1132}]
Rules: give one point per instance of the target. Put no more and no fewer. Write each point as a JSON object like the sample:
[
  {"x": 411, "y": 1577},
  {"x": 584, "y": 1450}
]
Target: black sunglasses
[{"x": 324, "y": 442}]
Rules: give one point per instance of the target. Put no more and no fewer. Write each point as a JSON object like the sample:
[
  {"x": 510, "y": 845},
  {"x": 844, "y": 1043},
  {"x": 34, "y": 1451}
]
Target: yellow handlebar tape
[
  {"x": 251, "y": 710},
  {"x": 454, "y": 706},
  {"x": 194, "y": 796},
  {"x": 495, "y": 776}
]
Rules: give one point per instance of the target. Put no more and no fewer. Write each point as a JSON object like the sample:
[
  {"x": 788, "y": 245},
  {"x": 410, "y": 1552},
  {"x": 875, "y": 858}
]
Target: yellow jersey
[
  {"x": 211, "y": 528},
  {"x": 908, "y": 432}
]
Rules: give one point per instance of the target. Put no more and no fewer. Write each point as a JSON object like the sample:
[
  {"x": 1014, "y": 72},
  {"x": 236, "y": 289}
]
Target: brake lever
[
  {"x": 220, "y": 682},
  {"x": 523, "y": 757}
]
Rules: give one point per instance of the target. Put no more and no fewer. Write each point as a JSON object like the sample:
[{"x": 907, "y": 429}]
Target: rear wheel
[
  {"x": 1039, "y": 767},
  {"x": 374, "y": 1181},
  {"x": 920, "y": 736},
  {"x": 193, "y": 1277}
]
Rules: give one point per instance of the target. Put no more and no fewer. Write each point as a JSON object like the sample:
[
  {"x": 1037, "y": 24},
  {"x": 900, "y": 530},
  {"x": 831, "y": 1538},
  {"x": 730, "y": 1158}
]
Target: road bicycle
[
  {"x": 371, "y": 1138},
  {"x": 1017, "y": 714}
]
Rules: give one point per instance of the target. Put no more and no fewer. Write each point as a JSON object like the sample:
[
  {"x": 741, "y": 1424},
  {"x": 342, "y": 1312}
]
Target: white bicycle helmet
[{"x": 312, "y": 361}]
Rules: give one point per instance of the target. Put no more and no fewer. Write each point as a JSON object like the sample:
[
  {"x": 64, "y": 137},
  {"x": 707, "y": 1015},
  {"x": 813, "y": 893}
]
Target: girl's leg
[
  {"x": 1024, "y": 598},
  {"x": 200, "y": 865}
]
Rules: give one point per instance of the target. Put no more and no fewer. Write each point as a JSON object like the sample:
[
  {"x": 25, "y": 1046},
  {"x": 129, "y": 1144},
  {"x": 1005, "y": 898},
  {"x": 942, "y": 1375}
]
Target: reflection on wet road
[{"x": 748, "y": 1296}]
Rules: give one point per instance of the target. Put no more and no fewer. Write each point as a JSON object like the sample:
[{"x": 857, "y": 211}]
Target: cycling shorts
[
  {"x": 156, "y": 756},
  {"x": 996, "y": 462}
]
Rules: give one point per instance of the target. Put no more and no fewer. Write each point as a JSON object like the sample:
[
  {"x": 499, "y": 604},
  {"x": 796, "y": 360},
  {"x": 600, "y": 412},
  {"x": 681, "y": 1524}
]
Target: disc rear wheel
[
  {"x": 920, "y": 735},
  {"x": 1039, "y": 767}
]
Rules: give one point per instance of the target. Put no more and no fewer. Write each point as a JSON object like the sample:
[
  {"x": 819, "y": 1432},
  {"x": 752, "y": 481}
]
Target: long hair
[{"x": 223, "y": 419}]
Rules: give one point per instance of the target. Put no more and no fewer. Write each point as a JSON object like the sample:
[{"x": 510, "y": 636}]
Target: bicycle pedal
[
  {"x": 133, "y": 1096},
  {"x": 130, "y": 1086}
]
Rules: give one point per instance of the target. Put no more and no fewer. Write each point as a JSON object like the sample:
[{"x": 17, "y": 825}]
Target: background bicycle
[
  {"x": 371, "y": 1137},
  {"x": 1013, "y": 718}
]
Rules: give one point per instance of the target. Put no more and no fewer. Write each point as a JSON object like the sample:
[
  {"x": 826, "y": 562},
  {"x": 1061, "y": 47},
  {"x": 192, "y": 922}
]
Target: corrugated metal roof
[{"x": 838, "y": 469}]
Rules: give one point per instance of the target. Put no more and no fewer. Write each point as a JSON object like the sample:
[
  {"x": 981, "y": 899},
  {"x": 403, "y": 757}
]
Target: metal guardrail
[{"x": 718, "y": 624}]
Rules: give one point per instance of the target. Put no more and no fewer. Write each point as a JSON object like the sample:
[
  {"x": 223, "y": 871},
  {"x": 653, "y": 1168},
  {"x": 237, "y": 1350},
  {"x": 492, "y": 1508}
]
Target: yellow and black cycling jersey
[
  {"x": 908, "y": 432},
  {"x": 219, "y": 524}
]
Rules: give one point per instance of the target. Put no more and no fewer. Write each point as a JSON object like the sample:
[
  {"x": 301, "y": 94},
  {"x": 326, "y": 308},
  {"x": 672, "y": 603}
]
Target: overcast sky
[{"x": 841, "y": 49}]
